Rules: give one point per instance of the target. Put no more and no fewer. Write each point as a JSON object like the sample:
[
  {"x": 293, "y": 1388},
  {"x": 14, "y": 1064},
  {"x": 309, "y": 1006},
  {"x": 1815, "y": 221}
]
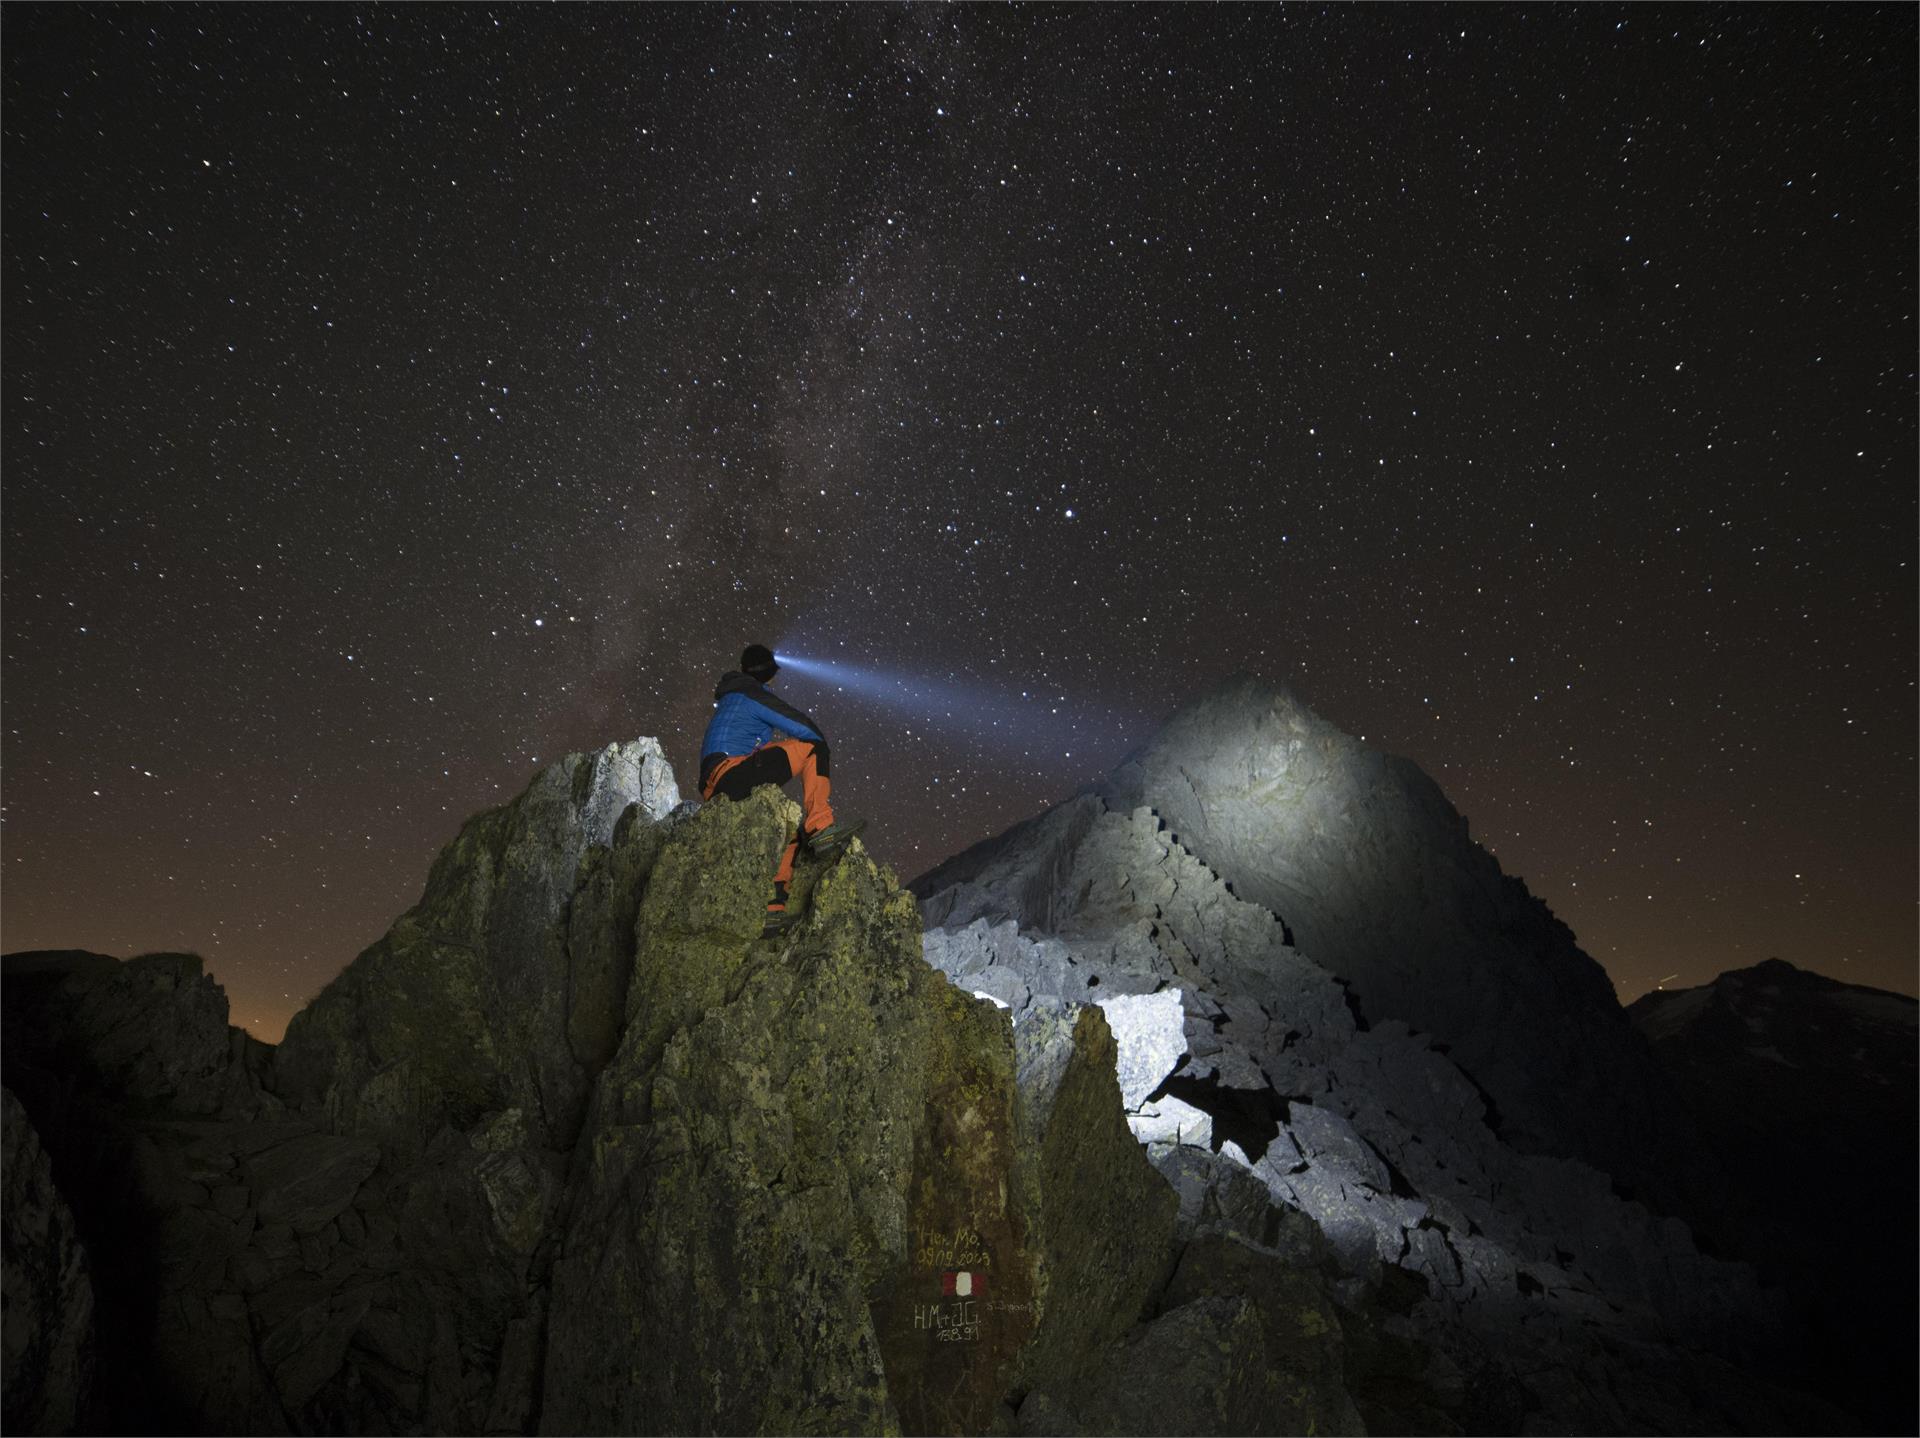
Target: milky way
[{"x": 395, "y": 400}]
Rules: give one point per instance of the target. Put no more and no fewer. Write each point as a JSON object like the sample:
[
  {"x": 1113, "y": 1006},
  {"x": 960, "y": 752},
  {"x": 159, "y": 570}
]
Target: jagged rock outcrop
[
  {"x": 341, "y": 1233},
  {"x": 798, "y": 1144},
  {"x": 1372, "y": 872},
  {"x": 151, "y": 1031},
  {"x": 574, "y": 1148},
  {"x": 124, "y": 1070},
  {"x": 1260, "y": 1072},
  {"x": 1806, "y": 1091},
  {"x": 491, "y": 995}
]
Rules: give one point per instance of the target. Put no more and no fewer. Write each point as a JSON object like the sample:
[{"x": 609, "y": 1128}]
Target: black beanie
[{"x": 757, "y": 662}]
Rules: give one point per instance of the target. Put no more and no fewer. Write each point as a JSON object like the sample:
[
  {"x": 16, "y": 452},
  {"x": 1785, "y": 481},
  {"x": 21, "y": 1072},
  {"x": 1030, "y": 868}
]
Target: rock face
[
  {"x": 122, "y": 1071},
  {"x": 48, "y": 1293},
  {"x": 822, "y": 1194},
  {"x": 1806, "y": 1091},
  {"x": 574, "y": 1149},
  {"x": 1370, "y": 870},
  {"x": 492, "y": 994},
  {"x": 1433, "y": 1091},
  {"x": 152, "y": 1031}
]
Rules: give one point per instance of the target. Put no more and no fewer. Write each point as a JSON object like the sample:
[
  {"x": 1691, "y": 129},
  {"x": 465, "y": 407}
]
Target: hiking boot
[
  {"x": 778, "y": 922},
  {"x": 833, "y": 839}
]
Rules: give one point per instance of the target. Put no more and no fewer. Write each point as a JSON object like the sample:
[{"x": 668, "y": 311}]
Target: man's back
[{"x": 745, "y": 716}]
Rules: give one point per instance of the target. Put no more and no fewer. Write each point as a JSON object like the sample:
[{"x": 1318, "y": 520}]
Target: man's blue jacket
[{"x": 745, "y": 716}]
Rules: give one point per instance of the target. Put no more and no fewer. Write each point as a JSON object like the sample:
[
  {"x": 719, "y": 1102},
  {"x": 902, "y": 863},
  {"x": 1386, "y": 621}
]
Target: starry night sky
[{"x": 395, "y": 400}]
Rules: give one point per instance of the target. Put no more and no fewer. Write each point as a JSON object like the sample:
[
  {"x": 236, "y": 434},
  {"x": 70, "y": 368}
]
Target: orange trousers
[{"x": 775, "y": 763}]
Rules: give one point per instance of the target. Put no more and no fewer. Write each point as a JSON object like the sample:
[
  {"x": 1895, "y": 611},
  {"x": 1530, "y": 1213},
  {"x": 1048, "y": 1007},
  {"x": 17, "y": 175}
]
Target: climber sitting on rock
[{"x": 740, "y": 753}]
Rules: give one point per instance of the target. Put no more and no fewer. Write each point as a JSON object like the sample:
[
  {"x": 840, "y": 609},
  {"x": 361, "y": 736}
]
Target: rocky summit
[
  {"x": 1330, "y": 1003},
  {"x": 1362, "y": 864},
  {"x": 1083, "y": 1135}
]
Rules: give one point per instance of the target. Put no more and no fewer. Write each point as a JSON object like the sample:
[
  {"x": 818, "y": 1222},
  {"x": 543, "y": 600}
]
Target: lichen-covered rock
[
  {"x": 821, "y": 1190},
  {"x": 375, "y": 1264},
  {"x": 47, "y": 1295},
  {"x": 1107, "y": 1217},
  {"x": 600, "y": 935},
  {"x": 470, "y": 1004},
  {"x": 1245, "y": 1340},
  {"x": 747, "y": 1160}
]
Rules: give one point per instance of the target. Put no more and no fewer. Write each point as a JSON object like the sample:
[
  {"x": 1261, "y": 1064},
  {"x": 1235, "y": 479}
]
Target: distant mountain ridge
[{"x": 1803, "y": 1088}]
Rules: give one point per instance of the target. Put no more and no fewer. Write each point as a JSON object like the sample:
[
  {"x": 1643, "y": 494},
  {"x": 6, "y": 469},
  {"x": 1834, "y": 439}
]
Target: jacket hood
[{"x": 734, "y": 682}]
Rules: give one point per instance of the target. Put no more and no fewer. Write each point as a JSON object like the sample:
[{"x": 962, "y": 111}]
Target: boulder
[
  {"x": 1149, "y": 1031},
  {"x": 308, "y": 1181}
]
